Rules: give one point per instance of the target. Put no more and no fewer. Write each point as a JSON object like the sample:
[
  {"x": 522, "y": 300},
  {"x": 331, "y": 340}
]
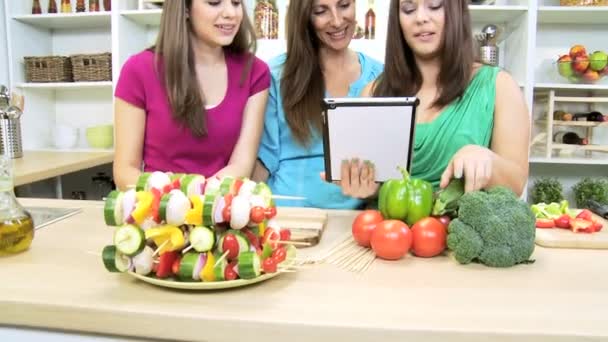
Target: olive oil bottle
[{"x": 16, "y": 224}]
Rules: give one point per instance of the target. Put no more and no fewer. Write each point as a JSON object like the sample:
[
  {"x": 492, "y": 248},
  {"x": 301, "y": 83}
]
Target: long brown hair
[
  {"x": 174, "y": 45},
  {"x": 302, "y": 84},
  {"x": 401, "y": 76}
]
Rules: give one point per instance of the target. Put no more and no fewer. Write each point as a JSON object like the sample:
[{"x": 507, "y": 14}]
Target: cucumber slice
[
  {"x": 129, "y": 239},
  {"x": 142, "y": 181},
  {"x": 266, "y": 251},
  {"x": 191, "y": 184},
  {"x": 114, "y": 260},
  {"x": 202, "y": 239},
  {"x": 208, "y": 210},
  {"x": 226, "y": 185},
  {"x": 112, "y": 210},
  {"x": 264, "y": 190},
  {"x": 108, "y": 255},
  {"x": 290, "y": 255},
  {"x": 220, "y": 268},
  {"x": 187, "y": 266},
  {"x": 162, "y": 208},
  {"x": 176, "y": 176},
  {"x": 249, "y": 265}
]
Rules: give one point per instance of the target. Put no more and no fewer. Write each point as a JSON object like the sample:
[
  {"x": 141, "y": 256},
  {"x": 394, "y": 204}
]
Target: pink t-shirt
[{"x": 170, "y": 146}]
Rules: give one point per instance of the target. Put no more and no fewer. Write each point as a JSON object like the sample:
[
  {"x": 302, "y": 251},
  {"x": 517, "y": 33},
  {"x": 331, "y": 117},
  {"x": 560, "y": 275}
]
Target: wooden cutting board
[
  {"x": 564, "y": 238},
  {"x": 306, "y": 224}
]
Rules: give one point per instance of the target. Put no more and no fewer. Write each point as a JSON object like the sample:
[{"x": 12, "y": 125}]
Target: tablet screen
[{"x": 380, "y": 130}]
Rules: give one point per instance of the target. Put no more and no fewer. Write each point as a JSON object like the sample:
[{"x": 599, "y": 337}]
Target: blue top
[{"x": 294, "y": 169}]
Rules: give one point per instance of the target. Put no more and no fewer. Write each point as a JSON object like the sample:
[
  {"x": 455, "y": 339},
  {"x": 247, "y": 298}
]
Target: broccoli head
[{"x": 493, "y": 227}]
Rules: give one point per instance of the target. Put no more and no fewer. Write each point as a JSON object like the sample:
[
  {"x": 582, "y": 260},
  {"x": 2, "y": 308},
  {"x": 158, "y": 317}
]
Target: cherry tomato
[
  {"x": 279, "y": 254},
  {"x": 364, "y": 224},
  {"x": 391, "y": 239},
  {"x": 285, "y": 234},
  {"x": 271, "y": 236},
  {"x": 230, "y": 245},
  {"x": 257, "y": 214},
  {"x": 229, "y": 272},
  {"x": 445, "y": 220},
  {"x": 271, "y": 212},
  {"x": 428, "y": 237},
  {"x": 269, "y": 265},
  {"x": 253, "y": 239}
]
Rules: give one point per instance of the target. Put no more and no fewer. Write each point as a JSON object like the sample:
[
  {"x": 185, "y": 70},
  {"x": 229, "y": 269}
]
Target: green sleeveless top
[{"x": 468, "y": 120}]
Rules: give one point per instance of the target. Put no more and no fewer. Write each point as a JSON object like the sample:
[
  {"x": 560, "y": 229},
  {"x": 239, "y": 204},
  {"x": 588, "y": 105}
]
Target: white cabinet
[{"x": 534, "y": 34}]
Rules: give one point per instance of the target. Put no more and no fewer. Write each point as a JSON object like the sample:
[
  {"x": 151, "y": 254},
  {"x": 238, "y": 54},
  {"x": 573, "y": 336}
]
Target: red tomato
[
  {"x": 231, "y": 245},
  {"x": 445, "y": 220},
  {"x": 271, "y": 212},
  {"x": 285, "y": 234},
  {"x": 269, "y": 265},
  {"x": 364, "y": 224},
  {"x": 391, "y": 239},
  {"x": 279, "y": 254},
  {"x": 257, "y": 214},
  {"x": 229, "y": 273},
  {"x": 271, "y": 236},
  {"x": 429, "y": 236}
]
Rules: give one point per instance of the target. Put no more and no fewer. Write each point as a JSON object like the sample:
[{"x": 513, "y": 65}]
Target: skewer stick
[
  {"x": 93, "y": 253},
  {"x": 355, "y": 259},
  {"x": 221, "y": 258},
  {"x": 348, "y": 259},
  {"x": 160, "y": 247},
  {"x": 358, "y": 267},
  {"x": 185, "y": 250},
  {"x": 295, "y": 243}
]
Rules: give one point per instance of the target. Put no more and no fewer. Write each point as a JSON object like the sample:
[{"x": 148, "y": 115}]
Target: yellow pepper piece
[
  {"x": 262, "y": 227},
  {"x": 195, "y": 215},
  {"x": 143, "y": 206},
  {"x": 207, "y": 273},
  {"x": 171, "y": 238}
]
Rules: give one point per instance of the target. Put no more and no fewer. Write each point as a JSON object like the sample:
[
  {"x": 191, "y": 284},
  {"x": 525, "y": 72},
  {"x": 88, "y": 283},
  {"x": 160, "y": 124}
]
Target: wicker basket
[
  {"x": 48, "y": 69},
  {"x": 94, "y": 67},
  {"x": 583, "y": 2}
]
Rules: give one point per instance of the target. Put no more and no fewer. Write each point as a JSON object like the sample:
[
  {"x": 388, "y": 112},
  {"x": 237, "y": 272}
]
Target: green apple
[
  {"x": 564, "y": 66},
  {"x": 599, "y": 60}
]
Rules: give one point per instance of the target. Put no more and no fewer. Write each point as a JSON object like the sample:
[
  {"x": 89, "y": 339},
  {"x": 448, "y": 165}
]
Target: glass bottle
[
  {"x": 66, "y": 6},
  {"x": 370, "y": 21},
  {"x": 36, "y": 9},
  {"x": 107, "y": 5},
  {"x": 52, "y": 6},
  {"x": 93, "y": 5},
  {"x": 80, "y": 7},
  {"x": 16, "y": 224},
  {"x": 570, "y": 138},
  {"x": 266, "y": 19}
]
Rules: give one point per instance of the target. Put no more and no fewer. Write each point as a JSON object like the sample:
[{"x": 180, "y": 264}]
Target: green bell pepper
[{"x": 405, "y": 199}]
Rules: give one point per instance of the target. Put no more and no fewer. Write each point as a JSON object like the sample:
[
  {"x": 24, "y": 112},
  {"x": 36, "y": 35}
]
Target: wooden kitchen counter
[
  {"x": 39, "y": 165},
  {"x": 60, "y": 283}
]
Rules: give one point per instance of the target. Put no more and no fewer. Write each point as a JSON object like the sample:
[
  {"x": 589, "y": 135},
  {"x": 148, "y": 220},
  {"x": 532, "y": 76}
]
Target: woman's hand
[
  {"x": 358, "y": 179},
  {"x": 474, "y": 163}
]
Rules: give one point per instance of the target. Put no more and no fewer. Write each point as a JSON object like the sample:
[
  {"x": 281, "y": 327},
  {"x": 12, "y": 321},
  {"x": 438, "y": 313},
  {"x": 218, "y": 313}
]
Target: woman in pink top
[{"x": 194, "y": 103}]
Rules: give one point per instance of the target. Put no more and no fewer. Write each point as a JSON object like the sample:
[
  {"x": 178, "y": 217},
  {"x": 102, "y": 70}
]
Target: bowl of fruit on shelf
[{"x": 578, "y": 66}]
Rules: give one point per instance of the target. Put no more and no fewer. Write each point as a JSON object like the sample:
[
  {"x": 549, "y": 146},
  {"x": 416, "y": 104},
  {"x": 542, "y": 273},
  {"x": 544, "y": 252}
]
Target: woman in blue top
[{"x": 318, "y": 64}]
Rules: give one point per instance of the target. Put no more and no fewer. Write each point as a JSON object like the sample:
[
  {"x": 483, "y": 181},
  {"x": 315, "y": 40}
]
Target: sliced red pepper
[
  {"x": 544, "y": 223},
  {"x": 580, "y": 225},
  {"x": 226, "y": 215},
  {"x": 236, "y": 186},
  {"x": 585, "y": 214},
  {"x": 165, "y": 264},
  {"x": 253, "y": 239},
  {"x": 175, "y": 266},
  {"x": 562, "y": 221},
  {"x": 229, "y": 271},
  {"x": 155, "y": 209}
]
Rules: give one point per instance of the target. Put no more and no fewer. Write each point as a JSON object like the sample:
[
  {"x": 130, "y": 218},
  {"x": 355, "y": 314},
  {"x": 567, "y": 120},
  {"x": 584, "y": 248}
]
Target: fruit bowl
[{"x": 580, "y": 67}]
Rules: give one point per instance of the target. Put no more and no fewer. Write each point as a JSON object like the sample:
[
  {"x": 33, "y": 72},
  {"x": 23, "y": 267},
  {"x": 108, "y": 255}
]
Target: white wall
[{"x": 4, "y": 79}]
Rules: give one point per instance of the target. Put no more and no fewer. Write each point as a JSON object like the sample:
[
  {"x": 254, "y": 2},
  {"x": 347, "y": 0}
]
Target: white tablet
[{"x": 378, "y": 129}]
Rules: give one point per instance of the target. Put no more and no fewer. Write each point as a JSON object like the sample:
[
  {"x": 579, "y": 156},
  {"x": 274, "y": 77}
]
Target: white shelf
[
  {"x": 494, "y": 14},
  {"x": 573, "y": 15},
  {"x": 576, "y": 161},
  {"x": 149, "y": 17},
  {"x": 66, "y": 85},
  {"x": 67, "y": 20},
  {"x": 567, "y": 86}
]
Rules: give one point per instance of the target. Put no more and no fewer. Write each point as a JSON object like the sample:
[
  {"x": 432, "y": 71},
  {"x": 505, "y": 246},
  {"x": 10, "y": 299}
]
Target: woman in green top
[{"x": 472, "y": 120}]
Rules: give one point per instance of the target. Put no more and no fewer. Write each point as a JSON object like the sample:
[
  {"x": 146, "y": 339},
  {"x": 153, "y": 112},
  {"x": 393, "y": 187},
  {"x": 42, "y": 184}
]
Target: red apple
[
  {"x": 580, "y": 64},
  {"x": 591, "y": 76},
  {"x": 577, "y": 50}
]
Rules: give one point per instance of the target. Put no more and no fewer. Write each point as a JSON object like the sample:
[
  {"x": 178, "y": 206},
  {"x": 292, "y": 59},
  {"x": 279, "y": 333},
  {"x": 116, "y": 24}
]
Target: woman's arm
[
  {"x": 245, "y": 152},
  {"x": 511, "y": 136},
  {"x": 130, "y": 124}
]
